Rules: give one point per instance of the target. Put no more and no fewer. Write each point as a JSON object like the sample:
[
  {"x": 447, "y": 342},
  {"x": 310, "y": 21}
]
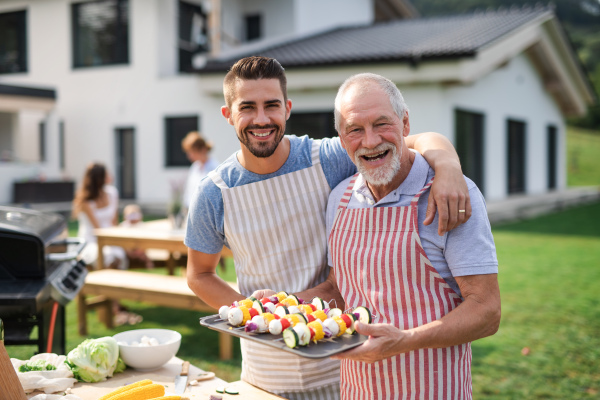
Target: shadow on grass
[{"x": 580, "y": 221}]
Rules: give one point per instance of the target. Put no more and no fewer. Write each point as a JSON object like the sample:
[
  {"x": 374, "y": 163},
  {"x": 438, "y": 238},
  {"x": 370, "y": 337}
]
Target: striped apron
[
  {"x": 276, "y": 231},
  {"x": 380, "y": 263}
]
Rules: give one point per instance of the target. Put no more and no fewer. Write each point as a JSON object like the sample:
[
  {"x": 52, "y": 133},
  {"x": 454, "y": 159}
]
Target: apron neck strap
[
  {"x": 348, "y": 193},
  {"x": 216, "y": 178}
]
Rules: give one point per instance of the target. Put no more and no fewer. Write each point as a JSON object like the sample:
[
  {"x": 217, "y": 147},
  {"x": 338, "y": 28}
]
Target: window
[
  {"x": 176, "y": 128},
  {"x": 13, "y": 42},
  {"x": 42, "y": 141},
  {"x": 469, "y": 135},
  {"x": 317, "y": 125},
  {"x": 61, "y": 145},
  {"x": 125, "y": 169},
  {"x": 193, "y": 34},
  {"x": 100, "y": 33},
  {"x": 253, "y": 27},
  {"x": 552, "y": 155},
  {"x": 516, "y": 156}
]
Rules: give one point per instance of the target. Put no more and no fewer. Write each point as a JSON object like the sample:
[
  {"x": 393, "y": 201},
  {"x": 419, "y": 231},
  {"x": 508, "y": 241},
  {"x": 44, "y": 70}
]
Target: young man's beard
[
  {"x": 262, "y": 149},
  {"x": 384, "y": 174}
]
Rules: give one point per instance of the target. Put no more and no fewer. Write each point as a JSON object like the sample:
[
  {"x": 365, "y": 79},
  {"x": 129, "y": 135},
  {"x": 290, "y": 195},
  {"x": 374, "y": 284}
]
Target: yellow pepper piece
[{"x": 281, "y": 296}]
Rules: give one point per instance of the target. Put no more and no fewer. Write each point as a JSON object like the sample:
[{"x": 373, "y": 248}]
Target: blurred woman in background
[{"x": 96, "y": 205}]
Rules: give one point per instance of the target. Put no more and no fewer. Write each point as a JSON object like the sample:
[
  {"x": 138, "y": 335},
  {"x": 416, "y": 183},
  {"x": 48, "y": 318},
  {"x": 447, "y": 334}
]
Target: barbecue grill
[{"x": 39, "y": 275}]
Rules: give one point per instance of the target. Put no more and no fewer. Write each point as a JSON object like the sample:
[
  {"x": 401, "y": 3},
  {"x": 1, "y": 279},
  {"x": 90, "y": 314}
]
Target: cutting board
[{"x": 166, "y": 376}]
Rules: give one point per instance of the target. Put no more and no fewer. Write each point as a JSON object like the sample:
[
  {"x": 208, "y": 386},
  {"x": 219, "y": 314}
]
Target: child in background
[{"x": 132, "y": 217}]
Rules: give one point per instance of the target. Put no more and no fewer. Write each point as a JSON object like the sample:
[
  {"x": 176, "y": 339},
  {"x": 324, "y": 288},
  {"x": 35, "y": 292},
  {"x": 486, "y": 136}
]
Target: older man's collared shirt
[{"x": 466, "y": 250}]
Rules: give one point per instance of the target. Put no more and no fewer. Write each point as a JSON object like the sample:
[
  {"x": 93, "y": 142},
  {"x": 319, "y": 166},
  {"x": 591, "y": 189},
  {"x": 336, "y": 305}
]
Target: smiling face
[
  {"x": 373, "y": 134},
  {"x": 258, "y": 112}
]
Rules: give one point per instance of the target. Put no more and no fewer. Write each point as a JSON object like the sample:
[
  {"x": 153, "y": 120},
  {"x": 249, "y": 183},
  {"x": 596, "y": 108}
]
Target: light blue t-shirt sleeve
[
  {"x": 204, "y": 230},
  {"x": 336, "y": 163}
]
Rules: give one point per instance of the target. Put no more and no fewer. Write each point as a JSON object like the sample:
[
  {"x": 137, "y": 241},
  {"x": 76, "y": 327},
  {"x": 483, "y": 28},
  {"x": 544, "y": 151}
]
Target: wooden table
[
  {"x": 157, "y": 234},
  {"x": 166, "y": 376},
  {"x": 104, "y": 286}
]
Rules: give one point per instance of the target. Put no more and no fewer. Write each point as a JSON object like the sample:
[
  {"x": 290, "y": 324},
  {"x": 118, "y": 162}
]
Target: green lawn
[
  {"x": 549, "y": 280},
  {"x": 583, "y": 148}
]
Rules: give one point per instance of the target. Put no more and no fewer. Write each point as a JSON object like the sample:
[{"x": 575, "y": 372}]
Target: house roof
[
  {"x": 410, "y": 40},
  {"x": 17, "y": 98}
]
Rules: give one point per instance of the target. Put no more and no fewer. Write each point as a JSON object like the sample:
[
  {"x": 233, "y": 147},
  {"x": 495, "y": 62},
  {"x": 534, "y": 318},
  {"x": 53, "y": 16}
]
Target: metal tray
[{"x": 322, "y": 349}]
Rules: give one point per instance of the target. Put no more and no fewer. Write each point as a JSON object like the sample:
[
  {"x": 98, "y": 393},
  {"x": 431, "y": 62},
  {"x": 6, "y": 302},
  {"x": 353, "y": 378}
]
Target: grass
[
  {"x": 583, "y": 147},
  {"x": 549, "y": 279}
]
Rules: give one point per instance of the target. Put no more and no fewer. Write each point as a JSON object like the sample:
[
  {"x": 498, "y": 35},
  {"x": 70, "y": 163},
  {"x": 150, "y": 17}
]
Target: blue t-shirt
[
  {"x": 466, "y": 250},
  {"x": 205, "y": 227}
]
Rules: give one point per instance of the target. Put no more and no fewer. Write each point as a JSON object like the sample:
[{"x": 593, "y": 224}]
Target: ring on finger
[{"x": 462, "y": 211}]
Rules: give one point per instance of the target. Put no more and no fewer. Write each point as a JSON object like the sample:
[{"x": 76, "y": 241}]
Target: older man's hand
[
  {"x": 449, "y": 195},
  {"x": 384, "y": 341},
  {"x": 259, "y": 294}
]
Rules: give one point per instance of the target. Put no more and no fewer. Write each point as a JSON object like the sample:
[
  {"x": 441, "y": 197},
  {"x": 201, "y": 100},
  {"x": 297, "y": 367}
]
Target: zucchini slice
[
  {"x": 232, "y": 390},
  {"x": 364, "y": 315},
  {"x": 281, "y": 311},
  {"x": 302, "y": 317},
  {"x": 258, "y": 306},
  {"x": 220, "y": 389},
  {"x": 334, "y": 312},
  {"x": 318, "y": 302},
  {"x": 290, "y": 337}
]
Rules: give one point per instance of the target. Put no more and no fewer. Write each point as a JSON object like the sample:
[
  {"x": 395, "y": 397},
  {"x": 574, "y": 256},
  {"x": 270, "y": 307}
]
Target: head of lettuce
[{"x": 94, "y": 360}]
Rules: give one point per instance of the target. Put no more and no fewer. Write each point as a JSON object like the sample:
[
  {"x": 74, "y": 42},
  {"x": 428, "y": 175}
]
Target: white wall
[{"x": 512, "y": 92}]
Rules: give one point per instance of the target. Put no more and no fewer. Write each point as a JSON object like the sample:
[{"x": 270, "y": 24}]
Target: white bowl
[{"x": 148, "y": 358}]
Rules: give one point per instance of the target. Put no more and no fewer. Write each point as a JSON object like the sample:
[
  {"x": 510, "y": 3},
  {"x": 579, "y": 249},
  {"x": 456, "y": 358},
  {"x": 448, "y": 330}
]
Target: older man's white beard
[{"x": 385, "y": 173}]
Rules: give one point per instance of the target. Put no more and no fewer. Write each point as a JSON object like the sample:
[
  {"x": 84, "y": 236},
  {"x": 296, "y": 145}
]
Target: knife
[{"x": 182, "y": 379}]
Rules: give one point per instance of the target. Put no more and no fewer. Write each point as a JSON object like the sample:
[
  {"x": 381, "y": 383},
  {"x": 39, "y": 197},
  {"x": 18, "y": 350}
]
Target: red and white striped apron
[
  {"x": 380, "y": 264},
  {"x": 276, "y": 231}
]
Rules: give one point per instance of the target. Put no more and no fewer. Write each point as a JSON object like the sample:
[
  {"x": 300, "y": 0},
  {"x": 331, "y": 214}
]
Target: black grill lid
[{"x": 43, "y": 225}]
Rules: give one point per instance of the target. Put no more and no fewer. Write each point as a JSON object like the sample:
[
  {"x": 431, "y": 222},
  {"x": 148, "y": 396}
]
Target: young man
[
  {"x": 267, "y": 204},
  {"x": 410, "y": 278}
]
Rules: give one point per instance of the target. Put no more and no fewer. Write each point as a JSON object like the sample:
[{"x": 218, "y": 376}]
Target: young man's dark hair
[{"x": 253, "y": 68}]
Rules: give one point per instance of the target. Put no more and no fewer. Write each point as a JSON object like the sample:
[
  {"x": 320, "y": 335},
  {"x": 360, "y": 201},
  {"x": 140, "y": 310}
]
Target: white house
[{"x": 132, "y": 77}]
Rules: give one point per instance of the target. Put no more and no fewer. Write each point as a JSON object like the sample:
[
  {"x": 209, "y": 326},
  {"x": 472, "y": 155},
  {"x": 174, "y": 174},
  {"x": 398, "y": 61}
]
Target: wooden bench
[{"x": 106, "y": 285}]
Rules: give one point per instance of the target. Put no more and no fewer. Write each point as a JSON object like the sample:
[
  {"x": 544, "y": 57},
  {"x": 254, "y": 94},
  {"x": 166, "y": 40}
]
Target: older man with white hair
[{"x": 429, "y": 295}]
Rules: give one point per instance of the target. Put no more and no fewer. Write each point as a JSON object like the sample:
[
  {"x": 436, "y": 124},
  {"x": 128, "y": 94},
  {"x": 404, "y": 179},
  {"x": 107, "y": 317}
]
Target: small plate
[{"x": 322, "y": 349}]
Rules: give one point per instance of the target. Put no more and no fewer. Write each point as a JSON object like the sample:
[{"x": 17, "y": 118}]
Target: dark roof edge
[
  {"x": 413, "y": 60},
  {"x": 27, "y": 91}
]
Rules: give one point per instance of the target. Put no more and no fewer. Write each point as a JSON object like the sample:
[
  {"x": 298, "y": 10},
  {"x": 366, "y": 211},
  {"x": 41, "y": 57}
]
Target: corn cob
[
  {"x": 305, "y": 308},
  {"x": 246, "y": 313},
  {"x": 174, "y": 397},
  {"x": 268, "y": 317},
  {"x": 246, "y": 303},
  {"x": 293, "y": 318},
  {"x": 318, "y": 328},
  {"x": 290, "y": 301},
  {"x": 144, "y": 392},
  {"x": 126, "y": 388},
  {"x": 341, "y": 324},
  {"x": 320, "y": 314}
]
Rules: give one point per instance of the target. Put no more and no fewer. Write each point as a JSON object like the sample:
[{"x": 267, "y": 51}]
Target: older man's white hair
[{"x": 394, "y": 95}]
